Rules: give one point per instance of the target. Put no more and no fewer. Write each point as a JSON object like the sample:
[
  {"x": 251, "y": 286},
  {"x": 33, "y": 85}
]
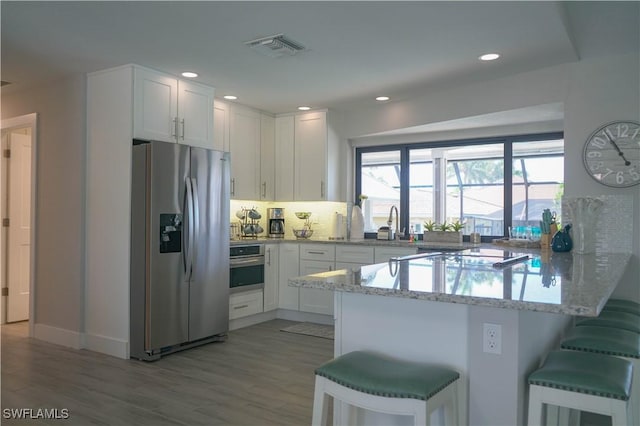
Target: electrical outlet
[{"x": 492, "y": 338}]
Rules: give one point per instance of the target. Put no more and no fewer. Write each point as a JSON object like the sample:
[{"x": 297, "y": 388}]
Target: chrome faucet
[{"x": 390, "y": 221}]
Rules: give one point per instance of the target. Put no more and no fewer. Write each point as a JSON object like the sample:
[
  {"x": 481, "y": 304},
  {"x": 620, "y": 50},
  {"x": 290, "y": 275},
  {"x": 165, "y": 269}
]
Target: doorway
[{"x": 17, "y": 208}]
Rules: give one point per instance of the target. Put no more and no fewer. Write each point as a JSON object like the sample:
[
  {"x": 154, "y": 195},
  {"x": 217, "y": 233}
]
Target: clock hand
[{"x": 615, "y": 145}]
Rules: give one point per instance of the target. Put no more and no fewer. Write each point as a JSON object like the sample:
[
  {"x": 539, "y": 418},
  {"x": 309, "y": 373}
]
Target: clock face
[{"x": 612, "y": 154}]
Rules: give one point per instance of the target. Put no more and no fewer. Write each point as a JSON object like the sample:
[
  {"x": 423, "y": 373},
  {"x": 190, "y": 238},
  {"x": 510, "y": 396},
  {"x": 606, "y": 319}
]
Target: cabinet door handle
[
  {"x": 264, "y": 189},
  {"x": 182, "y": 135},
  {"x": 316, "y": 252},
  {"x": 174, "y": 127},
  {"x": 321, "y": 189},
  {"x": 233, "y": 186},
  {"x": 269, "y": 256},
  {"x": 241, "y": 307}
]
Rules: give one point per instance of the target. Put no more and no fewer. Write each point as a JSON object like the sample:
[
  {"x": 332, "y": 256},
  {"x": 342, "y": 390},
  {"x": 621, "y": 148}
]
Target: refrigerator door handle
[
  {"x": 195, "y": 203},
  {"x": 188, "y": 246}
]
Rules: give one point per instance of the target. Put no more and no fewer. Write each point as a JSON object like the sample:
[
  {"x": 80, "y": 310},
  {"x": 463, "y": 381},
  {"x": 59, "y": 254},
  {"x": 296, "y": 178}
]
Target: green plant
[
  {"x": 456, "y": 226},
  {"x": 429, "y": 225},
  {"x": 444, "y": 226}
]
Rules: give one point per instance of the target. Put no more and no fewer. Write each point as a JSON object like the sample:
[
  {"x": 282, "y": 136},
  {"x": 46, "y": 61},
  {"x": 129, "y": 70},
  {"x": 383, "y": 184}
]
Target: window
[
  {"x": 489, "y": 184},
  {"x": 380, "y": 182}
]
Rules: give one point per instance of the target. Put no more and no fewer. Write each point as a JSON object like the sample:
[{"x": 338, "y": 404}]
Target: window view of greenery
[
  {"x": 475, "y": 184},
  {"x": 475, "y": 188},
  {"x": 381, "y": 184},
  {"x": 538, "y": 183},
  {"x": 420, "y": 188}
]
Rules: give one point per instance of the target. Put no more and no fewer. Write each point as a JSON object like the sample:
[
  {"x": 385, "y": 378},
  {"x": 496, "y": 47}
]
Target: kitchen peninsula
[{"x": 437, "y": 307}]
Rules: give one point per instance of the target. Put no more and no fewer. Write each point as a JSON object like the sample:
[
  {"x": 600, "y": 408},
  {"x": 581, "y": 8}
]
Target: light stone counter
[
  {"x": 369, "y": 242},
  {"x": 547, "y": 282}
]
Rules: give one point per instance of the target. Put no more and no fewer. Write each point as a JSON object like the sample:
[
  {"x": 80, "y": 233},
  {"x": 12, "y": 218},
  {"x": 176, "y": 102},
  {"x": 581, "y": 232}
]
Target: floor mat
[{"x": 310, "y": 329}]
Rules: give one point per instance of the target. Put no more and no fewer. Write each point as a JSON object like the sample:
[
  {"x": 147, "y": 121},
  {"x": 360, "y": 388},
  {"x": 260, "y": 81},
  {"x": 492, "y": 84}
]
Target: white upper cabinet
[
  {"x": 155, "y": 106},
  {"x": 221, "y": 126},
  {"x": 267, "y": 158},
  {"x": 244, "y": 142},
  {"x": 171, "y": 110},
  {"x": 310, "y": 167},
  {"x": 306, "y": 158},
  {"x": 284, "y": 158},
  {"x": 195, "y": 114}
]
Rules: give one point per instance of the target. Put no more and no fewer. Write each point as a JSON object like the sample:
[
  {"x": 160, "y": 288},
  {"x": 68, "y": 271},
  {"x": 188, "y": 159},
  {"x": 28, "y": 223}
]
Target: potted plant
[{"x": 443, "y": 233}]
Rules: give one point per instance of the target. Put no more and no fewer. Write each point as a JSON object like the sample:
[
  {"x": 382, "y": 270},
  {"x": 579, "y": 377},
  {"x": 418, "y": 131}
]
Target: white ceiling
[{"x": 356, "y": 50}]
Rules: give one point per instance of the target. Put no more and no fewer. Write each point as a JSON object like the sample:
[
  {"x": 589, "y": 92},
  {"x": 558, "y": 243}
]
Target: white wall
[{"x": 59, "y": 267}]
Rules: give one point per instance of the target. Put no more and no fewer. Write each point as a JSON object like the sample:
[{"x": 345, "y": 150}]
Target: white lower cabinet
[
  {"x": 383, "y": 254},
  {"x": 312, "y": 299},
  {"x": 288, "y": 262},
  {"x": 245, "y": 303},
  {"x": 316, "y": 258},
  {"x": 271, "y": 277},
  {"x": 353, "y": 256}
]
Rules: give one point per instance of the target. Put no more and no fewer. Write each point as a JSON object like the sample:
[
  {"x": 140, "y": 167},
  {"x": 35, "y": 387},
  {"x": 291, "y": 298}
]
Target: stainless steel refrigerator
[{"x": 179, "y": 248}]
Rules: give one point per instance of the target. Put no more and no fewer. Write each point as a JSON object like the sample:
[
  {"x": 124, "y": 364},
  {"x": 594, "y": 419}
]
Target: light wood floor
[{"x": 259, "y": 376}]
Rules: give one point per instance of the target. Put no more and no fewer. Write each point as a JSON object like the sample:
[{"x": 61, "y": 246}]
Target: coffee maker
[{"x": 275, "y": 222}]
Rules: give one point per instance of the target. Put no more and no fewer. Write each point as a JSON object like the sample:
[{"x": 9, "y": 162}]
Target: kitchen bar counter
[
  {"x": 545, "y": 282},
  {"x": 369, "y": 242},
  {"x": 438, "y": 309}
]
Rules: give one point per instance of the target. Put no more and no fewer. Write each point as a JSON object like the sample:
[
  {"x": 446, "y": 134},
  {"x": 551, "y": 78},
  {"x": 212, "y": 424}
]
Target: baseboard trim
[
  {"x": 58, "y": 336},
  {"x": 106, "y": 345}
]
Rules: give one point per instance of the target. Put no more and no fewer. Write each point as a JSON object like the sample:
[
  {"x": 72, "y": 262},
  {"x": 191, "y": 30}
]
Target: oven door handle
[{"x": 238, "y": 263}]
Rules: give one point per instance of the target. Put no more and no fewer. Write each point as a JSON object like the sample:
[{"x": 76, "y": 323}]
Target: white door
[{"x": 19, "y": 231}]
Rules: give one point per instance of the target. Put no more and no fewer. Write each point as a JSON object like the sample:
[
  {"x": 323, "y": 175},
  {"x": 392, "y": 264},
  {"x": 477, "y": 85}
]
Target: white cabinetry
[
  {"x": 316, "y": 258},
  {"x": 289, "y": 261},
  {"x": 267, "y": 158},
  {"x": 383, "y": 254},
  {"x": 353, "y": 256},
  {"x": 172, "y": 110},
  {"x": 244, "y": 141},
  {"x": 221, "y": 126},
  {"x": 271, "y": 277},
  {"x": 310, "y": 171},
  {"x": 284, "y": 158},
  {"x": 245, "y": 304}
]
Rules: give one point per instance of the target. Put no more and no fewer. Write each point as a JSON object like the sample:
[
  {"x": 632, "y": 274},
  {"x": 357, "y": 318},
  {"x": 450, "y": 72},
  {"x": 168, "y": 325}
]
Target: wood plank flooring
[{"x": 259, "y": 376}]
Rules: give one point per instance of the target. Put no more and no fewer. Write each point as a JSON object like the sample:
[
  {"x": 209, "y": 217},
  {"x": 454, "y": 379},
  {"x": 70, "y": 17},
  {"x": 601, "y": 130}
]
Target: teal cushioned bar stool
[
  {"x": 582, "y": 381},
  {"x": 622, "y": 305},
  {"x": 379, "y": 383},
  {"x": 610, "y": 341},
  {"x": 613, "y": 319}
]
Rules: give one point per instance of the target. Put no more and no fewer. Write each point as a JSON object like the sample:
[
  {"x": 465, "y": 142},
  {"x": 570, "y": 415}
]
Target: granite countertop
[
  {"x": 546, "y": 282},
  {"x": 369, "y": 242}
]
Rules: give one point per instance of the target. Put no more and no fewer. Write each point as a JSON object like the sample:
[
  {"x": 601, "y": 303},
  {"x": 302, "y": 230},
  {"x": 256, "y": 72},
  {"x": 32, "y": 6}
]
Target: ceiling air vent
[{"x": 275, "y": 46}]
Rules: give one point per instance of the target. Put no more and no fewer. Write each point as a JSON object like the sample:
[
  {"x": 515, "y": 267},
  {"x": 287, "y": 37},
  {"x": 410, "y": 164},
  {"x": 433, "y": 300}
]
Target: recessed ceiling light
[
  {"x": 189, "y": 74},
  {"x": 489, "y": 57},
  {"x": 230, "y": 97},
  {"x": 304, "y": 108},
  {"x": 382, "y": 98}
]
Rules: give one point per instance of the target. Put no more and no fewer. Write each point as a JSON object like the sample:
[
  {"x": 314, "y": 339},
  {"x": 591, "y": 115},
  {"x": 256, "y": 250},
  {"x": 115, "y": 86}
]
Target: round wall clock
[{"x": 612, "y": 154}]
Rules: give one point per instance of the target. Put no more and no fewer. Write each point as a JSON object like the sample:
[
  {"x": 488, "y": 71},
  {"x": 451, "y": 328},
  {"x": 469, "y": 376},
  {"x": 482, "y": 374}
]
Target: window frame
[{"x": 405, "y": 148}]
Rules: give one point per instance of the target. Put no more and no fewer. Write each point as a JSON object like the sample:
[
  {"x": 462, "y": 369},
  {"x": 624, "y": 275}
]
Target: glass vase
[{"x": 584, "y": 213}]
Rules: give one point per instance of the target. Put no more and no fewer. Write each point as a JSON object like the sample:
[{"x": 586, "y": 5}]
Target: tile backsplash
[{"x": 322, "y": 213}]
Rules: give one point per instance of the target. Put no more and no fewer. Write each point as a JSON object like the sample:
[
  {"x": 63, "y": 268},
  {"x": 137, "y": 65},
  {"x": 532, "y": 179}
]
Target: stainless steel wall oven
[{"x": 247, "y": 267}]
